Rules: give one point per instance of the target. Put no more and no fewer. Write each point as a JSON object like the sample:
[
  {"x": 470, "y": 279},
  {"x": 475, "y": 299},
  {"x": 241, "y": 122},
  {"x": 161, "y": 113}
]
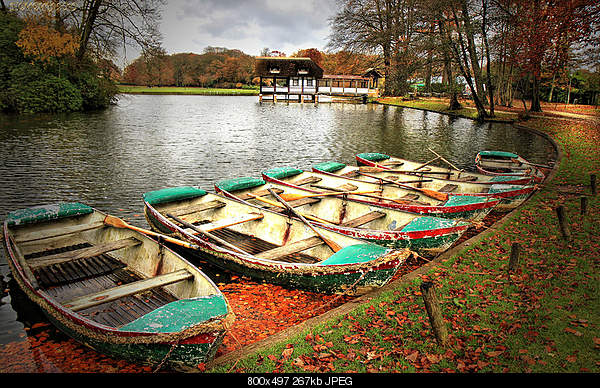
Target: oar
[
  {"x": 281, "y": 206},
  {"x": 207, "y": 234},
  {"x": 335, "y": 247},
  {"x": 426, "y": 163},
  {"x": 430, "y": 193},
  {"x": 119, "y": 223},
  {"x": 410, "y": 172},
  {"x": 294, "y": 197},
  {"x": 531, "y": 164},
  {"x": 441, "y": 157}
]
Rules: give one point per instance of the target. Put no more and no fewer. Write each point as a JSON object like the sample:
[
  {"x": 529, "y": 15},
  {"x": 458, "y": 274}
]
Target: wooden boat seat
[
  {"x": 344, "y": 187},
  {"x": 448, "y": 188},
  {"x": 391, "y": 163},
  {"x": 63, "y": 231},
  {"x": 295, "y": 203},
  {"x": 280, "y": 252},
  {"x": 351, "y": 174},
  {"x": 226, "y": 222},
  {"x": 198, "y": 208},
  {"x": 136, "y": 287},
  {"x": 82, "y": 253},
  {"x": 259, "y": 193},
  {"x": 365, "y": 218},
  {"x": 468, "y": 178},
  {"x": 305, "y": 181},
  {"x": 410, "y": 197}
]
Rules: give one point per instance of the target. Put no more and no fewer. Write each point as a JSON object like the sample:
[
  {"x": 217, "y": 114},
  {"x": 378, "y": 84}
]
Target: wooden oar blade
[{"x": 115, "y": 221}]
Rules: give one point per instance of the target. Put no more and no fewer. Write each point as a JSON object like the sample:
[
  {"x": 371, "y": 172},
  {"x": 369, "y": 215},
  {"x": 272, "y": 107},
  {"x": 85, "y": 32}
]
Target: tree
[{"x": 544, "y": 32}]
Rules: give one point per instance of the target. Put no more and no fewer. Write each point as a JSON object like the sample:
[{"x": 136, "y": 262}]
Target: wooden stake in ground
[
  {"x": 435, "y": 315},
  {"x": 515, "y": 251},
  {"x": 593, "y": 184},
  {"x": 584, "y": 202},
  {"x": 563, "y": 222}
]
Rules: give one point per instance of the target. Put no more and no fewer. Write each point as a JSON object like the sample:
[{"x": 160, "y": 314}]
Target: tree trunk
[
  {"x": 88, "y": 25},
  {"x": 535, "y": 95}
]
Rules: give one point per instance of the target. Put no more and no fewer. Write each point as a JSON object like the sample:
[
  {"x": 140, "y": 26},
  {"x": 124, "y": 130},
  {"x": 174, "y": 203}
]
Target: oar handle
[
  {"x": 207, "y": 234},
  {"x": 335, "y": 247},
  {"x": 281, "y": 206},
  {"x": 119, "y": 223}
]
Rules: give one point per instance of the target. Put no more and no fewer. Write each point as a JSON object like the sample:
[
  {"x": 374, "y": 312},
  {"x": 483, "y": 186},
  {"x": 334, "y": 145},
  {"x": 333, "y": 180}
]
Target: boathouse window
[
  {"x": 274, "y": 70},
  {"x": 295, "y": 82},
  {"x": 309, "y": 82},
  {"x": 302, "y": 71}
]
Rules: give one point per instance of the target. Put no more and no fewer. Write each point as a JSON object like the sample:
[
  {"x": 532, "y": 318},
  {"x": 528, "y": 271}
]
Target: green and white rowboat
[
  {"x": 115, "y": 289},
  {"x": 511, "y": 195},
  {"x": 427, "y": 236},
  {"x": 270, "y": 246}
]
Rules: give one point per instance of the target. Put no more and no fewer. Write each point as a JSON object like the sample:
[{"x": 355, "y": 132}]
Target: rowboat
[
  {"x": 450, "y": 172},
  {"x": 115, "y": 289},
  {"x": 510, "y": 196},
  {"x": 269, "y": 246},
  {"x": 502, "y": 163},
  {"x": 427, "y": 236},
  {"x": 472, "y": 208}
]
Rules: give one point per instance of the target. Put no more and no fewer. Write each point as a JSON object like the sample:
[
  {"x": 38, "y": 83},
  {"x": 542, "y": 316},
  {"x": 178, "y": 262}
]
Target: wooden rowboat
[
  {"x": 428, "y": 169},
  {"x": 115, "y": 289},
  {"x": 472, "y": 208},
  {"x": 427, "y": 236},
  {"x": 510, "y": 196},
  {"x": 270, "y": 246},
  {"x": 502, "y": 163}
]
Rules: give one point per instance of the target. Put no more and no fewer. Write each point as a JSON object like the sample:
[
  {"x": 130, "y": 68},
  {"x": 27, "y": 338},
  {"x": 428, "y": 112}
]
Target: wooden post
[
  {"x": 593, "y": 184},
  {"x": 435, "y": 315},
  {"x": 584, "y": 202},
  {"x": 563, "y": 223},
  {"x": 515, "y": 251}
]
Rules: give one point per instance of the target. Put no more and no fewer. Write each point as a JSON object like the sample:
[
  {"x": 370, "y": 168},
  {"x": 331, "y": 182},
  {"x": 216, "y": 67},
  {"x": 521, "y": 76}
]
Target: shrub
[{"x": 34, "y": 91}]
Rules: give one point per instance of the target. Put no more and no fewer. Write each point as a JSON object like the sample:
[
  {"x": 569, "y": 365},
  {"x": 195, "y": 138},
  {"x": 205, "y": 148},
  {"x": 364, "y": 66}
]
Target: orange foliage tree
[{"x": 42, "y": 43}]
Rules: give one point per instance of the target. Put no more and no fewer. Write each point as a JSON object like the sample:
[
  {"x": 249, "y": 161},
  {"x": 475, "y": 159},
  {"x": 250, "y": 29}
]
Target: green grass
[
  {"x": 543, "y": 319},
  {"x": 186, "y": 90},
  {"x": 442, "y": 107}
]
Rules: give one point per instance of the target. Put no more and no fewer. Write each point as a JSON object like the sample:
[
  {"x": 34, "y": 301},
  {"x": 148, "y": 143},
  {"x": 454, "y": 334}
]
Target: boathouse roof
[{"x": 287, "y": 67}]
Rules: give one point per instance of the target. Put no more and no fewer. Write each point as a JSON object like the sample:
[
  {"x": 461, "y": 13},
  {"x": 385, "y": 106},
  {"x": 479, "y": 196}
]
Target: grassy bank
[
  {"x": 129, "y": 89},
  {"x": 543, "y": 318}
]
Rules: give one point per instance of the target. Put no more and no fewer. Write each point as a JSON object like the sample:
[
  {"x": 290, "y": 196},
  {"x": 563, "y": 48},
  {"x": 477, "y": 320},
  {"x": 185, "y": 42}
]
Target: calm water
[{"x": 109, "y": 159}]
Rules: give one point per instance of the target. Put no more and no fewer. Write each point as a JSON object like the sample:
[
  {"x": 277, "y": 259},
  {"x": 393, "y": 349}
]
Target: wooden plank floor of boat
[
  {"x": 70, "y": 280},
  {"x": 255, "y": 245}
]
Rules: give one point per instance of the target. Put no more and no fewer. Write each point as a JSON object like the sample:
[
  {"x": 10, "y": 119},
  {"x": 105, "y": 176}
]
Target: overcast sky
[{"x": 247, "y": 25}]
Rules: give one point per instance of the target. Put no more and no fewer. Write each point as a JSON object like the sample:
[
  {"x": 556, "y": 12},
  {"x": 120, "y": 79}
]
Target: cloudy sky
[{"x": 247, "y": 25}]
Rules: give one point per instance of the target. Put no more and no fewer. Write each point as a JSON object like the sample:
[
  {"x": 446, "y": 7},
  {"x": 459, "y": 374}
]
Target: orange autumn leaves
[{"x": 42, "y": 43}]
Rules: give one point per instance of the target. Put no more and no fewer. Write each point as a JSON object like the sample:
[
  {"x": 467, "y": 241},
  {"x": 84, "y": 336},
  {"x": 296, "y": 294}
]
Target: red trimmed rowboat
[
  {"x": 115, "y": 289},
  {"x": 471, "y": 208},
  {"x": 427, "y": 236}
]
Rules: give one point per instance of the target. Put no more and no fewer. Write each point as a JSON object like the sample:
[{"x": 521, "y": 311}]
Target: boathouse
[
  {"x": 291, "y": 79},
  {"x": 301, "y": 79}
]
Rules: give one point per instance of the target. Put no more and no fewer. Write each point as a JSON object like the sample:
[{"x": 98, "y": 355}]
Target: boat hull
[
  {"x": 349, "y": 279},
  {"x": 510, "y": 195},
  {"x": 470, "y": 208},
  {"x": 500, "y": 163},
  {"x": 427, "y": 236},
  {"x": 176, "y": 349}
]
